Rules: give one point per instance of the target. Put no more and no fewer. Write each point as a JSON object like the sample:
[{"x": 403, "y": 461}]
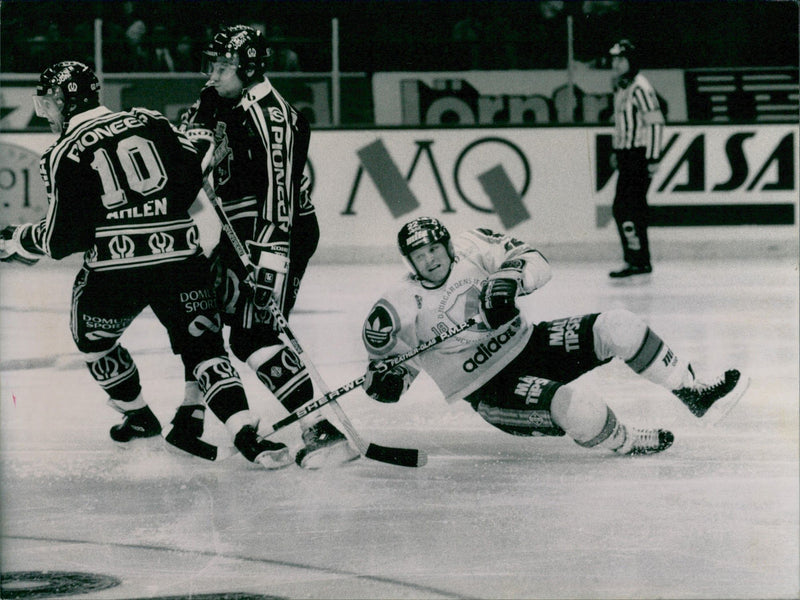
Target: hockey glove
[
  {"x": 11, "y": 248},
  {"x": 385, "y": 386},
  {"x": 498, "y": 300},
  {"x": 268, "y": 267}
]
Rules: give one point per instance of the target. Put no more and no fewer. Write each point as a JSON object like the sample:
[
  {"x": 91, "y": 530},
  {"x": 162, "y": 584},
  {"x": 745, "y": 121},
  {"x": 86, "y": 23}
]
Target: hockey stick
[
  {"x": 407, "y": 457},
  {"x": 382, "y": 366}
]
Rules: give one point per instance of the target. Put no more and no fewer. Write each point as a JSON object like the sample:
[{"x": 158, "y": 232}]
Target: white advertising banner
[
  {"x": 511, "y": 97},
  {"x": 550, "y": 186}
]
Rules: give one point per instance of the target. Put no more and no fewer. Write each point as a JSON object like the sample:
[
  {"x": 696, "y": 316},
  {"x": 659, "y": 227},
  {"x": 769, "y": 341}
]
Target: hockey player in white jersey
[{"x": 514, "y": 374}]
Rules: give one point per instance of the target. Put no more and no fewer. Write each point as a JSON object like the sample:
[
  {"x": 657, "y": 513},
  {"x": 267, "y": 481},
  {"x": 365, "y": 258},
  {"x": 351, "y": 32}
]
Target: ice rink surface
[{"x": 489, "y": 516}]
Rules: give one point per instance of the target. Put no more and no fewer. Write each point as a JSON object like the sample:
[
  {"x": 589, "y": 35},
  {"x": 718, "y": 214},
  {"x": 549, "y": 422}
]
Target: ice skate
[
  {"x": 139, "y": 423},
  {"x": 187, "y": 429},
  {"x": 712, "y": 401},
  {"x": 324, "y": 446},
  {"x": 261, "y": 451},
  {"x": 631, "y": 270},
  {"x": 645, "y": 441}
]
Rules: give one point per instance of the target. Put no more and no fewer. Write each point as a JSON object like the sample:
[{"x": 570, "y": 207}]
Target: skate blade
[
  {"x": 182, "y": 445},
  {"x": 631, "y": 280},
  {"x": 274, "y": 460},
  {"x": 333, "y": 455},
  {"x": 720, "y": 409}
]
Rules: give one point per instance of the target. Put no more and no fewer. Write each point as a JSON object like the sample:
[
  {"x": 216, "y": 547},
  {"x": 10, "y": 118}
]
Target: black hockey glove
[
  {"x": 11, "y": 248},
  {"x": 498, "y": 301},
  {"x": 385, "y": 386}
]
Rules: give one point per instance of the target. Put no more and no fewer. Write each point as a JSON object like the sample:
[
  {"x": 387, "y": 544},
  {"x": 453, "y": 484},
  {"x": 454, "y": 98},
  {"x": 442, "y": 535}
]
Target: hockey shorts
[
  {"x": 105, "y": 303},
  {"x": 517, "y": 400}
]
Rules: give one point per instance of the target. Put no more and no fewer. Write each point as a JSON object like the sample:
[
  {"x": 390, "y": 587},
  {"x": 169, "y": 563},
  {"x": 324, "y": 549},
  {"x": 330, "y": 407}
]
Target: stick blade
[{"x": 403, "y": 457}]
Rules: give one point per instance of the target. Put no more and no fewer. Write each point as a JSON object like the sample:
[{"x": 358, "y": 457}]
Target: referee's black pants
[{"x": 630, "y": 206}]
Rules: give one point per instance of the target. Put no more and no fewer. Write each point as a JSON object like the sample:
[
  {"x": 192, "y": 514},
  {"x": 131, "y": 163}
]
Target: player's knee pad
[
  {"x": 115, "y": 371},
  {"x": 581, "y": 413},
  {"x": 619, "y": 333},
  {"x": 284, "y": 374},
  {"x": 221, "y": 386}
]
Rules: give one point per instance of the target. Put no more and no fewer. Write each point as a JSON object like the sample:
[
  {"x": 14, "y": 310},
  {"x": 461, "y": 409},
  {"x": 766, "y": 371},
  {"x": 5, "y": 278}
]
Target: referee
[{"x": 638, "y": 127}]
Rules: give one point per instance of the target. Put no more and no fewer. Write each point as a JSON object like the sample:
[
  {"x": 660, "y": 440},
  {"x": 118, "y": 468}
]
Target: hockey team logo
[
  {"x": 192, "y": 237},
  {"x": 121, "y": 246},
  {"x": 290, "y": 361},
  {"x": 486, "y": 351},
  {"x": 161, "y": 243},
  {"x": 72, "y": 87},
  {"x": 111, "y": 368},
  {"x": 216, "y": 373},
  {"x": 379, "y": 327}
]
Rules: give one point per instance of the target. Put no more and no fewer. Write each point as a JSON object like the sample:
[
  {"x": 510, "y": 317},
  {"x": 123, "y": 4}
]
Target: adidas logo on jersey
[{"x": 487, "y": 350}]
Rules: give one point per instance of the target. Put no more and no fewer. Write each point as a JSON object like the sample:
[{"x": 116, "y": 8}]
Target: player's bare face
[
  {"x": 49, "y": 107},
  {"x": 432, "y": 262},
  {"x": 620, "y": 65},
  {"x": 222, "y": 76}
]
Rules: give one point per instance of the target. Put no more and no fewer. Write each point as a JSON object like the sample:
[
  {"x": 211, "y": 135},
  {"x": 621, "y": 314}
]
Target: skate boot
[
  {"x": 712, "y": 401},
  {"x": 258, "y": 450},
  {"x": 189, "y": 420},
  {"x": 187, "y": 429},
  {"x": 645, "y": 441},
  {"x": 324, "y": 446},
  {"x": 631, "y": 270},
  {"x": 139, "y": 423}
]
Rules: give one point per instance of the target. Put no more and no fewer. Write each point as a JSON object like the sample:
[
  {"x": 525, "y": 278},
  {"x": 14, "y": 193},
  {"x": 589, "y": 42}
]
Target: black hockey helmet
[
  {"x": 421, "y": 232},
  {"x": 243, "y": 44},
  {"x": 71, "y": 83}
]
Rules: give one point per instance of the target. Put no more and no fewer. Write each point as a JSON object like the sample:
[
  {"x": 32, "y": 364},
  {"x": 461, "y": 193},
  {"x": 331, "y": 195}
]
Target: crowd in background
[{"x": 407, "y": 35}]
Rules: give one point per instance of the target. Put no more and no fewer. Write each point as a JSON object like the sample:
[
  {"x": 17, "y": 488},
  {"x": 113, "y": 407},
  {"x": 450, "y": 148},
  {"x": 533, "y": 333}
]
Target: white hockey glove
[
  {"x": 499, "y": 294},
  {"x": 385, "y": 385},
  {"x": 268, "y": 268},
  {"x": 11, "y": 249}
]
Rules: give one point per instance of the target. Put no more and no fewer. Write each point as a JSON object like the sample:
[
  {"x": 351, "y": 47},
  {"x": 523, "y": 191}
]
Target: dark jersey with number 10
[{"x": 119, "y": 187}]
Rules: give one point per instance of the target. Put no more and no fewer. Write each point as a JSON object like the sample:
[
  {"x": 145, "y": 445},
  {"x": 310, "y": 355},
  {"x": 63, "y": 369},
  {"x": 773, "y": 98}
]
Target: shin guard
[
  {"x": 221, "y": 387},
  {"x": 284, "y": 374},
  {"x": 116, "y": 373}
]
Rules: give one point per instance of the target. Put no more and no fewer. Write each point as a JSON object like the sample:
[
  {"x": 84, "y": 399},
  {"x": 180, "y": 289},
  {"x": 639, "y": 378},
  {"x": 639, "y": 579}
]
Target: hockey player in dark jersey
[
  {"x": 119, "y": 187},
  {"x": 257, "y": 148},
  {"x": 516, "y": 375}
]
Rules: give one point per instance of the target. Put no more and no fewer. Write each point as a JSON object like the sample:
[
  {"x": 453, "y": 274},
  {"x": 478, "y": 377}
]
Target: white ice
[{"x": 489, "y": 516}]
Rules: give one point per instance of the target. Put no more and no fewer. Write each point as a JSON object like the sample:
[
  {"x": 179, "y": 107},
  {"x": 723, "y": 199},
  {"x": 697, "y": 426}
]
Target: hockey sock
[
  {"x": 192, "y": 395},
  {"x": 625, "y": 335},
  {"x": 221, "y": 386},
  {"x": 236, "y": 421},
  {"x": 284, "y": 374},
  {"x": 124, "y": 406},
  {"x": 583, "y": 416},
  {"x": 116, "y": 373},
  {"x": 611, "y": 437},
  {"x": 657, "y": 362}
]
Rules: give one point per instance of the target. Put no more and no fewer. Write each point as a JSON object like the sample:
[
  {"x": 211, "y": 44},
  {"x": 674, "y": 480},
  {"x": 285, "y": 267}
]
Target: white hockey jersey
[{"x": 410, "y": 314}]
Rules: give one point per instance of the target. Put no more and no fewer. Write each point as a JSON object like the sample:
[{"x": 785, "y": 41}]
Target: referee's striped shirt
[{"x": 638, "y": 121}]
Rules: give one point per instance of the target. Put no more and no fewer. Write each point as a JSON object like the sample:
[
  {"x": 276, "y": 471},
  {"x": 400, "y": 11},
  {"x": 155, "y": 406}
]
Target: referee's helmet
[{"x": 625, "y": 48}]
